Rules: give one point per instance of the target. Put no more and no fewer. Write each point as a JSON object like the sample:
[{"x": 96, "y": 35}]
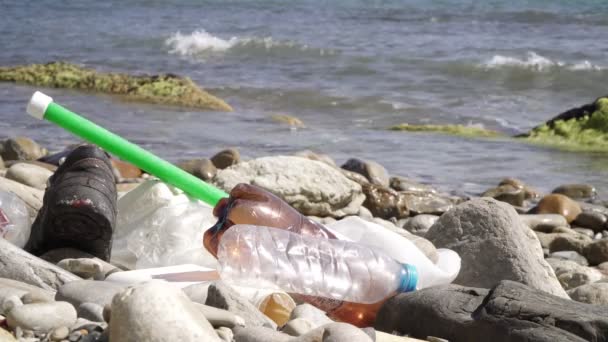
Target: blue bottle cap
[{"x": 409, "y": 278}]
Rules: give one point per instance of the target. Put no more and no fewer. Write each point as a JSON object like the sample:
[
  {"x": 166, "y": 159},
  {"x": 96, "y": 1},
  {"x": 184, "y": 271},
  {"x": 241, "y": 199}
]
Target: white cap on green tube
[{"x": 38, "y": 104}]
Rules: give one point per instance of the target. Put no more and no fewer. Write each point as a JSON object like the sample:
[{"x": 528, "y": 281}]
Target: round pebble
[{"x": 60, "y": 333}]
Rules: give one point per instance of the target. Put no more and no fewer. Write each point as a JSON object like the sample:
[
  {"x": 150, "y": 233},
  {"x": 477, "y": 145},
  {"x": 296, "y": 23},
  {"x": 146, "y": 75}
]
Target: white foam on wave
[
  {"x": 198, "y": 42},
  {"x": 534, "y": 61}
]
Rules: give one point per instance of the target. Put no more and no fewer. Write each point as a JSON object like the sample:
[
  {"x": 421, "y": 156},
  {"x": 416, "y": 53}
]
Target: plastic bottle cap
[
  {"x": 38, "y": 105},
  {"x": 409, "y": 278}
]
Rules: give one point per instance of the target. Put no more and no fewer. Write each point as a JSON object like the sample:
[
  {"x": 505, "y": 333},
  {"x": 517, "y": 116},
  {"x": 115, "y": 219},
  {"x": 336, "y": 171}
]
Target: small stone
[
  {"x": 529, "y": 192},
  {"x": 57, "y": 255},
  {"x": 310, "y": 313},
  {"x": 225, "y": 334},
  {"x": 30, "y": 175},
  {"x": 298, "y": 327},
  {"x": 374, "y": 172},
  {"x": 221, "y": 296},
  {"x": 22, "y": 148},
  {"x": 85, "y": 268},
  {"x": 558, "y": 204},
  {"x": 91, "y": 311},
  {"x": 570, "y": 255},
  {"x": 544, "y": 220},
  {"x": 42, "y": 316},
  {"x": 226, "y": 158},
  {"x": 201, "y": 168},
  {"x": 576, "y": 190},
  {"x": 218, "y": 317},
  {"x": 60, "y": 333},
  {"x": 75, "y": 336},
  {"x": 88, "y": 291},
  {"x": 420, "y": 224},
  {"x": 596, "y": 252},
  {"x": 569, "y": 242},
  {"x": 427, "y": 203},
  {"x": 355, "y": 177},
  {"x": 9, "y": 303},
  {"x": 384, "y": 202},
  {"x": 407, "y": 185},
  {"x": 507, "y": 193},
  {"x": 596, "y": 293},
  {"x": 584, "y": 231},
  {"x": 591, "y": 219},
  {"x": 30, "y": 293}
]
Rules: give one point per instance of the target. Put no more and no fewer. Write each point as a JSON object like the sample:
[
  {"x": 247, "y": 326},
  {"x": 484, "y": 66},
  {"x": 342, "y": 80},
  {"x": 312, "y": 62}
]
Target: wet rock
[
  {"x": 21, "y": 148},
  {"x": 221, "y": 296},
  {"x": 32, "y": 293},
  {"x": 558, "y": 204},
  {"x": 317, "y": 156},
  {"x": 30, "y": 175},
  {"x": 596, "y": 294},
  {"x": 260, "y": 334},
  {"x": 372, "y": 171},
  {"x": 298, "y": 327},
  {"x": 88, "y": 291},
  {"x": 126, "y": 170},
  {"x": 19, "y": 265},
  {"x": 157, "y": 311},
  {"x": 544, "y": 222},
  {"x": 384, "y": 202},
  {"x": 510, "y": 311},
  {"x": 407, "y": 185},
  {"x": 494, "y": 245},
  {"x": 576, "y": 191},
  {"x": 91, "y": 311},
  {"x": 312, "y": 187},
  {"x": 569, "y": 242},
  {"x": 31, "y": 196},
  {"x": 42, "y": 316},
  {"x": 420, "y": 224},
  {"x": 427, "y": 204},
  {"x": 529, "y": 193},
  {"x": 84, "y": 268},
  {"x": 591, "y": 219},
  {"x": 226, "y": 158},
  {"x": 163, "y": 89},
  {"x": 201, "y": 168},
  {"x": 508, "y": 194},
  {"x": 570, "y": 255},
  {"x": 596, "y": 252}
]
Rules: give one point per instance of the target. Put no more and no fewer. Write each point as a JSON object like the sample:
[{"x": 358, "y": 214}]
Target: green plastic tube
[{"x": 42, "y": 106}]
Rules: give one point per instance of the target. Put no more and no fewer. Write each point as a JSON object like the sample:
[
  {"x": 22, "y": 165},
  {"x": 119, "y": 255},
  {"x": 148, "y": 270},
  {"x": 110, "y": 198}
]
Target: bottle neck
[{"x": 409, "y": 278}]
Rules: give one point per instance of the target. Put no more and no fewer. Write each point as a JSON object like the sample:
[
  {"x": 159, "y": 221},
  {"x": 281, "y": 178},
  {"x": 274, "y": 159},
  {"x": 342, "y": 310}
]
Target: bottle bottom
[{"x": 357, "y": 314}]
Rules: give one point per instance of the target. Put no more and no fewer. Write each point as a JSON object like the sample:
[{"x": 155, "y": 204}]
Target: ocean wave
[
  {"x": 201, "y": 42},
  {"x": 536, "y": 62}
]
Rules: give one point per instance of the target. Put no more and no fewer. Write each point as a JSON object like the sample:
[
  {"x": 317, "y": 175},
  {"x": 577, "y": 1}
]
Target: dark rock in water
[
  {"x": 163, "y": 89},
  {"x": 558, "y": 204},
  {"x": 494, "y": 245},
  {"x": 226, "y": 158},
  {"x": 201, "y": 168},
  {"x": 374, "y": 172},
  {"x": 21, "y": 148},
  {"x": 223, "y": 297},
  {"x": 508, "y": 194},
  {"x": 405, "y": 184},
  {"x": 591, "y": 219},
  {"x": 384, "y": 202},
  {"x": 509, "y": 312},
  {"x": 576, "y": 190}
]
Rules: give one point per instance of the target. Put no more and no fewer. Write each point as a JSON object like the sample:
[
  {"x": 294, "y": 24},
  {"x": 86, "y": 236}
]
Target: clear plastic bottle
[
  {"x": 318, "y": 267},
  {"x": 15, "y": 225}
]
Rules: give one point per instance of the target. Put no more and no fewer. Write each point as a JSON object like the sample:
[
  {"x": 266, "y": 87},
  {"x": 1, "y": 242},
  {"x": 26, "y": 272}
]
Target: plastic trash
[
  {"x": 370, "y": 234},
  {"x": 15, "y": 225},
  {"x": 343, "y": 270},
  {"x": 249, "y": 204},
  {"x": 158, "y": 225}
]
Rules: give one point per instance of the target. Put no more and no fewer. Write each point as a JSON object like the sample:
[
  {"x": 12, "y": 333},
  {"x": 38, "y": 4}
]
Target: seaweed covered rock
[
  {"x": 582, "y": 128},
  {"x": 460, "y": 130},
  {"x": 163, "y": 89}
]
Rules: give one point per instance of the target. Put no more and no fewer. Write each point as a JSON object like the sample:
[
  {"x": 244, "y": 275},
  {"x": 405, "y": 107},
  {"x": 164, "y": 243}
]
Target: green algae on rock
[
  {"x": 161, "y": 89},
  {"x": 579, "y": 129},
  {"x": 460, "y": 130}
]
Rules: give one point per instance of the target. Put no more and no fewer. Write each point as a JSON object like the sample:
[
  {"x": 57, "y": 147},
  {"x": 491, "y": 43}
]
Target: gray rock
[
  {"x": 596, "y": 294},
  {"x": 201, "y": 168},
  {"x": 19, "y": 265},
  {"x": 259, "y": 334},
  {"x": 316, "y": 156},
  {"x": 585, "y": 231},
  {"x": 31, "y": 196},
  {"x": 509, "y": 312},
  {"x": 574, "y": 275},
  {"x": 84, "y": 268},
  {"x": 83, "y": 264},
  {"x": 420, "y": 224},
  {"x": 405, "y": 184},
  {"x": 42, "y": 316},
  {"x": 29, "y": 174},
  {"x": 508, "y": 194},
  {"x": 218, "y": 317},
  {"x": 335, "y": 332},
  {"x": 596, "y": 252},
  {"x": 32, "y": 293},
  {"x": 312, "y": 187},
  {"x": 570, "y": 255},
  {"x": 9, "y": 303},
  {"x": 221, "y": 296},
  {"x": 494, "y": 245},
  {"x": 298, "y": 327},
  {"x": 569, "y": 242},
  {"x": 60, "y": 333},
  {"x": 427, "y": 204},
  {"x": 226, "y": 158},
  {"x": 384, "y": 202},
  {"x": 591, "y": 219},
  {"x": 157, "y": 311},
  {"x": 534, "y": 221},
  {"x": 576, "y": 190},
  {"x": 546, "y": 239},
  {"x": 225, "y": 334},
  {"x": 310, "y": 313},
  {"x": 88, "y": 291},
  {"x": 9, "y": 295},
  {"x": 21, "y": 148},
  {"x": 91, "y": 311},
  {"x": 374, "y": 172}
]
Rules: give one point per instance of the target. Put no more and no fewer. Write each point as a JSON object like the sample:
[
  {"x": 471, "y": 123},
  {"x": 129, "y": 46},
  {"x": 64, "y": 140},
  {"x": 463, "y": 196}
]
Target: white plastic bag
[
  {"x": 15, "y": 225},
  {"x": 159, "y": 225}
]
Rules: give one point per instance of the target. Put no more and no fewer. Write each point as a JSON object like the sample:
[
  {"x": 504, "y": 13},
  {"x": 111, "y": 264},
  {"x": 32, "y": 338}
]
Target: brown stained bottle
[{"x": 249, "y": 204}]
